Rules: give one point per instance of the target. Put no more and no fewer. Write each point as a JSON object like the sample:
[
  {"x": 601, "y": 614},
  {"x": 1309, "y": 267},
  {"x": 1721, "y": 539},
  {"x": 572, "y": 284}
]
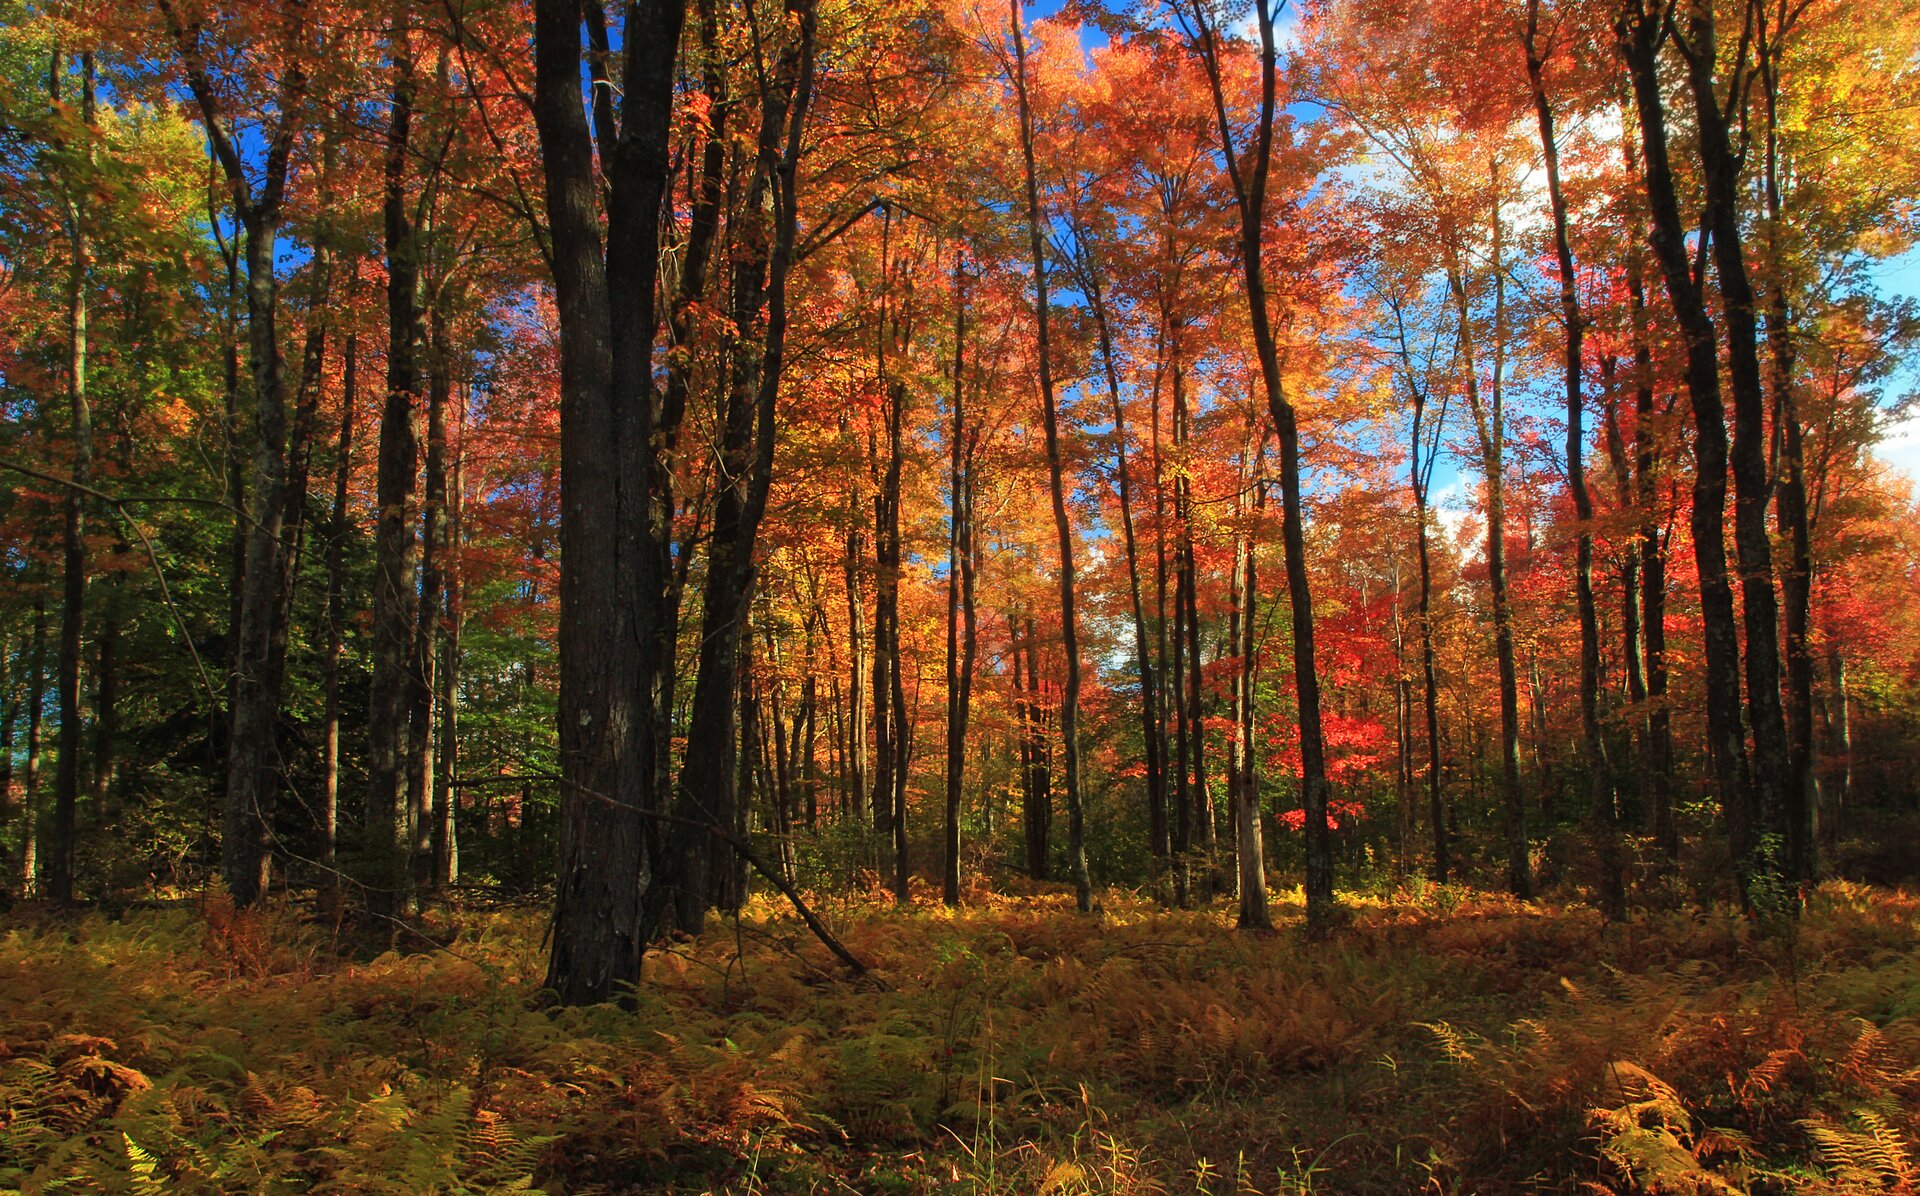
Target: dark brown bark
[
  {"x": 1152, "y": 731},
  {"x": 1656, "y": 765},
  {"x": 611, "y": 579},
  {"x": 1790, "y": 510},
  {"x": 1036, "y": 753},
  {"x": 1721, "y": 168},
  {"x": 423, "y": 666},
  {"x": 9, "y": 719},
  {"x": 386, "y": 846},
  {"x": 709, "y": 774},
  {"x": 1641, "y": 33},
  {"x": 252, "y": 779},
  {"x": 1422, "y": 449}
]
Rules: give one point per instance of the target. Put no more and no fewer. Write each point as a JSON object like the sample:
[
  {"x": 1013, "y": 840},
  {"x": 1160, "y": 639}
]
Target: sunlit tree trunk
[
  {"x": 1248, "y": 847},
  {"x": 338, "y": 530}
]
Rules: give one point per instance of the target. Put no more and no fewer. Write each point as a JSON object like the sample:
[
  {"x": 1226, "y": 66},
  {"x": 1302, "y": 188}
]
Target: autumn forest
[{"x": 1142, "y": 596}]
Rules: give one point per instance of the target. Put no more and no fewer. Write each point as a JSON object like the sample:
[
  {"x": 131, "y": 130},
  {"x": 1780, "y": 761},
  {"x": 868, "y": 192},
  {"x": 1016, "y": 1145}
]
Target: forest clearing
[
  {"x": 1442, "y": 1041},
  {"x": 960, "y": 596}
]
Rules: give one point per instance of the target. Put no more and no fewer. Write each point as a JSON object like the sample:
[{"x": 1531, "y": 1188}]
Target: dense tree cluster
[{"x": 673, "y": 447}]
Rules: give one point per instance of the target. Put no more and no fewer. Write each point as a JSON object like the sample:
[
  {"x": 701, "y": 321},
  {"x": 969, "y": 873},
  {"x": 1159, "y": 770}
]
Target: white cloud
[{"x": 1901, "y": 448}]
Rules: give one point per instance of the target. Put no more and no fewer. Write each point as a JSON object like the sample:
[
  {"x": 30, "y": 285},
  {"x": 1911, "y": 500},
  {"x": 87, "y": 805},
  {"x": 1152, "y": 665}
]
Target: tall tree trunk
[
  {"x": 854, "y": 749},
  {"x": 1069, "y": 624},
  {"x": 73, "y": 605},
  {"x": 1489, "y": 418},
  {"x": 9, "y": 718},
  {"x": 1601, "y": 796},
  {"x": 611, "y": 582},
  {"x": 387, "y": 844},
  {"x": 446, "y": 828},
  {"x": 1657, "y": 764},
  {"x": 959, "y": 593},
  {"x": 1161, "y": 833},
  {"x": 709, "y": 772},
  {"x": 1035, "y": 756},
  {"x": 106, "y": 710},
  {"x": 1402, "y": 734},
  {"x": 1191, "y": 819},
  {"x": 886, "y": 584},
  {"x": 1796, "y": 578},
  {"x": 253, "y": 780},
  {"x": 36, "y": 706},
  {"x": 1249, "y": 182},
  {"x": 1151, "y": 731},
  {"x": 1641, "y": 31},
  {"x": 1249, "y": 848},
  {"x": 1419, "y": 475},
  {"x": 338, "y": 529},
  {"x": 1753, "y": 490},
  {"x": 424, "y": 659}
]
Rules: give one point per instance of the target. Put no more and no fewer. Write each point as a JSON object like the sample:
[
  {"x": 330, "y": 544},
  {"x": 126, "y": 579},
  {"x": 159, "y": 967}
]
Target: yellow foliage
[{"x": 1442, "y": 1041}]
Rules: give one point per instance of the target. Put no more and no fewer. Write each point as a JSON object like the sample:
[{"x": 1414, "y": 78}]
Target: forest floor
[{"x": 1442, "y": 1041}]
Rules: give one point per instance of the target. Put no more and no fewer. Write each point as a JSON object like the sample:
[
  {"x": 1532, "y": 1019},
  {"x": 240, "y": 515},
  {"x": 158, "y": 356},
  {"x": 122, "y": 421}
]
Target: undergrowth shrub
[{"x": 1441, "y": 1041}]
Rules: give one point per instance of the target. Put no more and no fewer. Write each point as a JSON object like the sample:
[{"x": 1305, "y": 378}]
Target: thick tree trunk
[
  {"x": 612, "y": 585},
  {"x": 1069, "y": 624}
]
